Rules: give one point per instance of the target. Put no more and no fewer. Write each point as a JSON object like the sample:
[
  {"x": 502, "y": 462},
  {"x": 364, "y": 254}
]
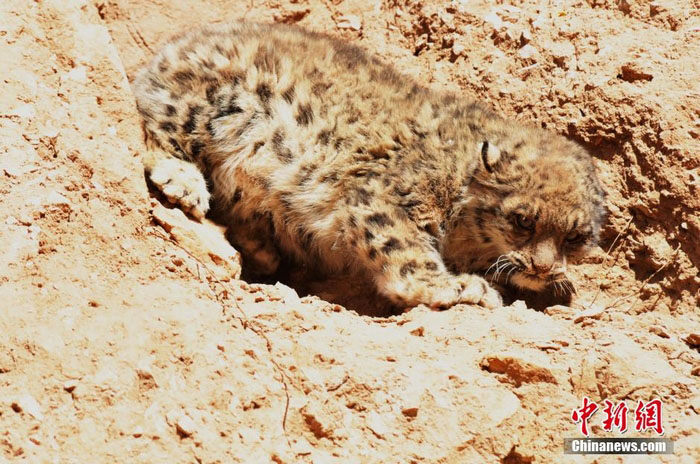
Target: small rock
[
  {"x": 350, "y": 22},
  {"x": 376, "y": 425},
  {"x": 517, "y": 370},
  {"x": 418, "y": 331},
  {"x": 494, "y": 20},
  {"x": 660, "y": 331},
  {"x": 525, "y": 37},
  {"x": 291, "y": 17},
  {"x": 137, "y": 432},
  {"x": 28, "y": 404},
  {"x": 527, "y": 51},
  {"x": 70, "y": 385},
  {"x": 55, "y": 198},
  {"x": 563, "y": 54},
  {"x": 185, "y": 426},
  {"x": 635, "y": 72},
  {"x": 458, "y": 49},
  {"x": 693, "y": 339},
  {"x": 594, "y": 312},
  {"x": 205, "y": 241},
  {"x": 410, "y": 412},
  {"x": 288, "y": 294}
]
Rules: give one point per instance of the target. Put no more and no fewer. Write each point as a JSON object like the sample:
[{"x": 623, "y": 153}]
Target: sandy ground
[{"x": 127, "y": 336}]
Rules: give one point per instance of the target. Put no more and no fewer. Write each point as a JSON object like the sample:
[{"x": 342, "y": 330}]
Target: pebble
[
  {"x": 185, "y": 426},
  {"x": 527, "y": 51},
  {"x": 28, "y": 404},
  {"x": 70, "y": 385},
  {"x": 525, "y": 37},
  {"x": 376, "y": 425},
  {"x": 632, "y": 72},
  {"x": 693, "y": 339},
  {"x": 494, "y": 20},
  {"x": 660, "y": 331},
  {"x": 591, "y": 313},
  {"x": 350, "y": 22}
]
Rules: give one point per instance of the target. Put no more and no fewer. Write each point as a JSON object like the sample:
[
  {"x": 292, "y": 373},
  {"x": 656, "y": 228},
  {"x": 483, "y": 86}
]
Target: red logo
[
  {"x": 616, "y": 417},
  {"x": 583, "y": 414},
  {"x": 647, "y": 416}
]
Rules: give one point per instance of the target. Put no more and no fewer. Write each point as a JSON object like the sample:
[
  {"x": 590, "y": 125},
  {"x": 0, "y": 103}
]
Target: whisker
[
  {"x": 500, "y": 270},
  {"x": 509, "y": 274},
  {"x": 496, "y": 263}
]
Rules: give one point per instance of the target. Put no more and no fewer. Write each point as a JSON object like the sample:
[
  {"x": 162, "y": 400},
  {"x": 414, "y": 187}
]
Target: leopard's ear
[{"x": 490, "y": 155}]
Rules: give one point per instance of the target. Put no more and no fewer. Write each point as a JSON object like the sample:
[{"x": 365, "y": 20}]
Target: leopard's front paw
[
  {"x": 477, "y": 291},
  {"x": 448, "y": 291},
  {"x": 182, "y": 184},
  {"x": 443, "y": 291}
]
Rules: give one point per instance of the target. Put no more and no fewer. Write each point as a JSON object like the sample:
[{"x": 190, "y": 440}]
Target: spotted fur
[{"x": 315, "y": 150}]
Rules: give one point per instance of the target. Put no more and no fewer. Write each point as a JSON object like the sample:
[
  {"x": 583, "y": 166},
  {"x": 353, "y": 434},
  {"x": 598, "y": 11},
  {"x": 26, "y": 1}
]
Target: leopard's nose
[{"x": 541, "y": 268}]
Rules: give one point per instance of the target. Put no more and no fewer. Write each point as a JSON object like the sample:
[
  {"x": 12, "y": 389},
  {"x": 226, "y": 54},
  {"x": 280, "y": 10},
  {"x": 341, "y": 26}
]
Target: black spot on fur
[
  {"x": 167, "y": 126},
  {"x": 174, "y": 144},
  {"x": 211, "y": 93},
  {"x": 380, "y": 219},
  {"x": 237, "y": 195},
  {"x": 408, "y": 268},
  {"x": 351, "y": 55},
  {"x": 170, "y": 110},
  {"x": 372, "y": 253},
  {"x": 184, "y": 77},
  {"x": 324, "y": 136},
  {"x": 278, "y": 138},
  {"x": 288, "y": 95},
  {"x": 392, "y": 244},
  {"x": 431, "y": 266},
  {"x": 320, "y": 88},
  {"x": 369, "y": 236},
  {"x": 283, "y": 153},
  {"x": 264, "y": 92},
  {"x": 265, "y": 60},
  {"x": 155, "y": 83},
  {"x": 163, "y": 66},
  {"x": 332, "y": 177},
  {"x": 305, "y": 173},
  {"x": 245, "y": 127},
  {"x": 257, "y": 146},
  {"x": 305, "y": 115},
  {"x": 363, "y": 196},
  {"x": 210, "y": 128},
  {"x": 306, "y": 239},
  {"x": 231, "y": 108},
  {"x": 190, "y": 123},
  {"x": 196, "y": 148}
]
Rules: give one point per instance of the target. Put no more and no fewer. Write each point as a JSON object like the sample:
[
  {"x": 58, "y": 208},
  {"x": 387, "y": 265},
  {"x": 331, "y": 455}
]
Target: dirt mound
[{"x": 128, "y": 337}]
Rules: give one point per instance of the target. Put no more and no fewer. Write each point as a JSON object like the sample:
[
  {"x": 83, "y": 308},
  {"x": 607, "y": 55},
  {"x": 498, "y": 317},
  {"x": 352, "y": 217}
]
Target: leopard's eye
[
  {"x": 574, "y": 237},
  {"x": 524, "y": 222}
]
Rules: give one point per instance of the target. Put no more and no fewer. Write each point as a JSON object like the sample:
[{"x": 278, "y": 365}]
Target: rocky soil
[{"x": 126, "y": 334}]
